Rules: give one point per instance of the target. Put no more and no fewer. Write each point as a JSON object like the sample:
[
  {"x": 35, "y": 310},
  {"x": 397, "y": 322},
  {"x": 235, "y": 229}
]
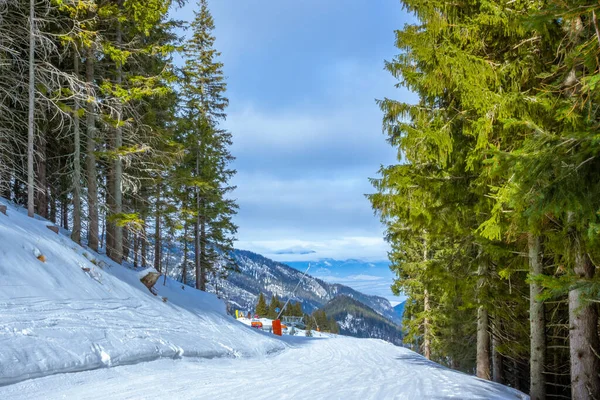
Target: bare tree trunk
[
  {"x": 537, "y": 389},
  {"x": 136, "y": 249},
  {"x": 583, "y": 336},
  {"x": 30, "y": 133},
  {"x": 64, "y": 210},
  {"x": 41, "y": 195},
  {"x": 203, "y": 256},
  {"x": 197, "y": 255},
  {"x": 91, "y": 172},
  {"x": 76, "y": 232},
  {"x": 109, "y": 226},
  {"x": 103, "y": 236},
  {"x": 497, "y": 359},
  {"x": 516, "y": 382},
  {"x": 157, "y": 240},
  {"x": 426, "y": 309},
  {"x": 426, "y": 327},
  {"x": 117, "y": 174},
  {"x": 126, "y": 243},
  {"x": 483, "y": 330},
  {"x": 185, "y": 253},
  {"x": 144, "y": 240},
  {"x": 53, "y": 197},
  {"x": 17, "y": 191},
  {"x": 197, "y": 265},
  {"x": 5, "y": 190}
]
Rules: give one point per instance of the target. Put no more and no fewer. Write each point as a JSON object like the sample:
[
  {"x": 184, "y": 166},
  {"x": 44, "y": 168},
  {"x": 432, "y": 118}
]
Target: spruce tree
[
  {"x": 273, "y": 306},
  {"x": 261, "y": 307},
  {"x": 207, "y": 157}
]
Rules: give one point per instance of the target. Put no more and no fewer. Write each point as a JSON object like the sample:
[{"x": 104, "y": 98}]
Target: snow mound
[{"x": 64, "y": 308}]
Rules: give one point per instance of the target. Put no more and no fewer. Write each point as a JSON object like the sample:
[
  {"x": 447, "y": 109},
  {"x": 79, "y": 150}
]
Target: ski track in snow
[
  {"x": 68, "y": 333},
  {"x": 338, "y": 368},
  {"x": 56, "y": 317}
]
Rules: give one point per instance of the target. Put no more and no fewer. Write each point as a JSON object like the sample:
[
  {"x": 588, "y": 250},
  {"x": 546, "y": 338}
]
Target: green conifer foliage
[
  {"x": 273, "y": 306},
  {"x": 207, "y": 158},
  {"x": 261, "y": 307}
]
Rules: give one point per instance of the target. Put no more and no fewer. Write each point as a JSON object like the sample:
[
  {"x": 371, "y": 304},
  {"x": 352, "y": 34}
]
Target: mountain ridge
[
  {"x": 258, "y": 273},
  {"x": 356, "y": 319}
]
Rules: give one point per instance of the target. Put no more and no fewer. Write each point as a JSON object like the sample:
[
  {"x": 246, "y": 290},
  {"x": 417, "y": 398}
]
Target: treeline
[
  {"x": 493, "y": 209},
  {"x": 101, "y": 133},
  {"x": 317, "y": 320},
  {"x": 272, "y": 309}
]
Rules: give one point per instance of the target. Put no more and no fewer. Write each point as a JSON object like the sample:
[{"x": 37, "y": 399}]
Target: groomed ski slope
[
  {"x": 55, "y": 317},
  {"x": 122, "y": 342},
  {"x": 343, "y": 368}
]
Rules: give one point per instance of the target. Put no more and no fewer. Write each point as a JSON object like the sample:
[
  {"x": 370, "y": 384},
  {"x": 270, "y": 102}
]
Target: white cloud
[{"x": 365, "y": 248}]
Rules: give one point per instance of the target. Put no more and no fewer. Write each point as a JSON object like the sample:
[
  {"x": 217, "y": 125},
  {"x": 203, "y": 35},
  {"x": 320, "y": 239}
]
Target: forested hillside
[
  {"x": 258, "y": 274},
  {"x": 102, "y": 133},
  {"x": 356, "y": 319},
  {"x": 492, "y": 211}
]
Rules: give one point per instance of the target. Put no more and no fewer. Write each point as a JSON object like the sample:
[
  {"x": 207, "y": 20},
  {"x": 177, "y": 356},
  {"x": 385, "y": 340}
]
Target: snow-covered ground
[
  {"x": 78, "y": 312},
  {"x": 343, "y": 368},
  {"x": 268, "y": 324},
  {"x": 56, "y": 317}
]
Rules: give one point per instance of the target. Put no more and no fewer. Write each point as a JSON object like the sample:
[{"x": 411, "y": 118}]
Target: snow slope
[
  {"x": 343, "y": 368},
  {"x": 55, "y": 317}
]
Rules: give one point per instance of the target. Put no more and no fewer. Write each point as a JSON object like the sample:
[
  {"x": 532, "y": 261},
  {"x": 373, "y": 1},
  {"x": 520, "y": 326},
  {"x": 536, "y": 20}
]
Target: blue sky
[{"x": 302, "y": 78}]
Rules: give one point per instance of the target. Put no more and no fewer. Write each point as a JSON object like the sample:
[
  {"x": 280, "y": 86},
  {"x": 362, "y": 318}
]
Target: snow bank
[{"x": 78, "y": 310}]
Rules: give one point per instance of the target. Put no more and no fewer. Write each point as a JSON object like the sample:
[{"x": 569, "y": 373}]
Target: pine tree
[
  {"x": 308, "y": 329},
  {"x": 261, "y": 307},
  {"x": 273, "y": 306},
  {"x": 208, "y": 157},
  {"x": 436, "y": 205}
]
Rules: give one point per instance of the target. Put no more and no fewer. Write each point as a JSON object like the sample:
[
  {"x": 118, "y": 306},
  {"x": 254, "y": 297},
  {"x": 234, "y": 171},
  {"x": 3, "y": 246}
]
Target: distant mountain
[
  {"x": 259, "y": 274},
  {"x": 399, "y": 309},
  {"x": 358, "y": 320},
  {"x": 331, "y": 268}
]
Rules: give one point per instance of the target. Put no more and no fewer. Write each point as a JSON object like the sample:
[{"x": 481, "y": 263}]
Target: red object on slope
[{"x": 277, "y": 327}]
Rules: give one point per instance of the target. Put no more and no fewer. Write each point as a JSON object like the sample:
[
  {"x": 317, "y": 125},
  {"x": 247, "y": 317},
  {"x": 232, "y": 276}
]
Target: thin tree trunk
[
  {"x": 197, "y": 255},
  {"x": 426, "y": 327},
  {"x": 18, "y": 191},
  {"x": 167, "y": 262},
  {"x": 144, "y": 240},
  {"x": 41, "y": 195},
  {"x": 117, "y": 242},
  {"x": 126, "y": 243},
  {"x": 109, "y": 226},
  {"x": 483, "y": 330},
  {"x": 76, "y": 232},
  {"x": 64, "y": 210},
  {"x": 103, "y": 237},
  {"x": 53, "y": 200},
  {"x": 516, "y": 382},
  {"x": 6, "y": 188},
  {"x": 426, "y": 309},
  {"x": 203, "y": 255},
  {"x": 136, "y": 249},
  {"x": 185, "y": 253},
  {"x": 537, "y": 389},
  {"x": 583, "y": 336},
  {"x": 157, "y": 243},
  {"x": 197, "y": 266},
  {"x": 91, "y": 172},
  {"x": 497, "y": 359},
  {"x": 30, "y": 133}
]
